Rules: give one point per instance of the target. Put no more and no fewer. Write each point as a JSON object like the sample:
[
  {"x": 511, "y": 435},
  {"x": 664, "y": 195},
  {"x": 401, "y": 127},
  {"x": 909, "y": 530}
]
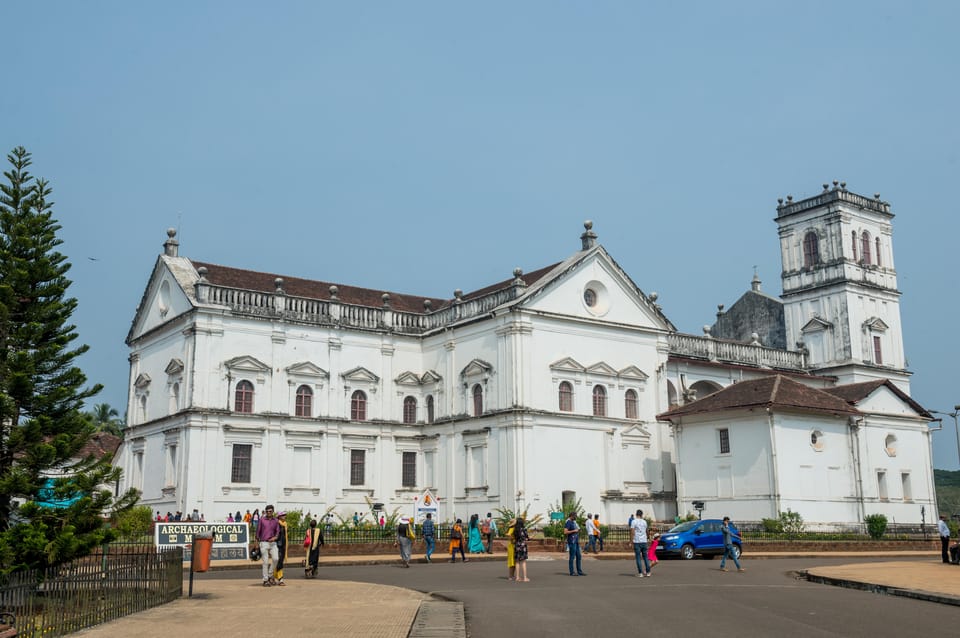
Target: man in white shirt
[
  {"x": 639, "y": 527},
  {"x": 591, "y": 535},
  {"x": 944, "y": 531}
]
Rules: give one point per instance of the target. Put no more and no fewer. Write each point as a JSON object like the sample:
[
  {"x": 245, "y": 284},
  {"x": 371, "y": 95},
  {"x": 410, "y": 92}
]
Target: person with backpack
[
  {"x": 405, "y": 538},
  {"x": 489, "y": 530},
  {"x": 429, "y": 535},
  {"x": 456, "y": 542}
]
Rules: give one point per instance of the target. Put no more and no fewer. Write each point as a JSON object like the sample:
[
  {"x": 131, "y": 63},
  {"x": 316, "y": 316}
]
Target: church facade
[{"x": 563, "y": 383}]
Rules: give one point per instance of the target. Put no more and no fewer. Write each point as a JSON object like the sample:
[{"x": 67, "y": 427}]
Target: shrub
[
  {"x": 876, "y": 525},
  {"x": 791, "y": 523},
  {"x": 772, "y": 525},
  {"x": 134, "y": 523}
]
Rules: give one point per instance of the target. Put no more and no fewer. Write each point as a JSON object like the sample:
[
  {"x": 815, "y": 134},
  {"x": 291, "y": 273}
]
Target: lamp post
[{"x": 956, "y": 428}]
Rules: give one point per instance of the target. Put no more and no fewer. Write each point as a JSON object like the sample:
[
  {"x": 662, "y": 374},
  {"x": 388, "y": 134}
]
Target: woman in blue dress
[{"x": 476, "y": 541}]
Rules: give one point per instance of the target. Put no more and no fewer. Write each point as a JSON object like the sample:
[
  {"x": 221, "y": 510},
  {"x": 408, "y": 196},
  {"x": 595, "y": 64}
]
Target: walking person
[
  {"x": 944, "y": 530},
  {"x": 591, "y": 535},
  {"x": 728, "y": 549},
  {"x": 457, "y": 542},
  {"x": 652, "y": 552},
  {"x": 476, "y": 543},
  {"x": 405, "y": 537},
  {"x": 281, "y": 547},
  {"x": 429, "y": 535},
  {"x": 596, "y": 525},
  {"x": 312, "y": 543},
  {"x": 520, "y": 552},
  {"x": 639, "y": 527},
  {"x": 572, "y": 531},
  {"x": 489, "y": 529},
  {"x": 267, "y": 532}
]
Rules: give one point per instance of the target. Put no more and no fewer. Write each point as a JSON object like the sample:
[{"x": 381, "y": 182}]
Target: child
[{"x": 652, "y": 551}]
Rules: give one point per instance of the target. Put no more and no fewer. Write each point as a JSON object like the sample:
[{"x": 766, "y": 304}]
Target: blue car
[{"x": 693, "y": 538}]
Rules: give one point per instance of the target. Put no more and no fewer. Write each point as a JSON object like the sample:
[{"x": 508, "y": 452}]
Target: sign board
[
  {"x": 230, "y": 540},
  {"x": 557, "y": 516},
  {"x": 425, "y": 504}
]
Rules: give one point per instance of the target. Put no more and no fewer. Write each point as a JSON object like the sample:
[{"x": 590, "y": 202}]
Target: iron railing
[{"x": 104, "y": 586}]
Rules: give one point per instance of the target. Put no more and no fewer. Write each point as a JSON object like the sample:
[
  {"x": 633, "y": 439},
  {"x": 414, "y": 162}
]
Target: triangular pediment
[
  {"x": 633, "y": 373},
  {"x": 430, "y": 376},
  {"x": 174, "y": 368},
  {"x": 591, "y": 285},
  {"x": 876, "y": 324},
  {"x": 477, "y": 367},
  {"x": 567, "y": 364},
  {"x": 143, "y": 380},
  {"x": 246, "y": 363},
  {"x": 407, "y": 378},
  {"x": 307, "y": 369},
  {"x": 635, "y": 435},
  {"x": 168, "y": 294},
  {"x": 361, "y": 375},
  {"x": 816, "y": 324},
  {"x": 603, "y": 369}
]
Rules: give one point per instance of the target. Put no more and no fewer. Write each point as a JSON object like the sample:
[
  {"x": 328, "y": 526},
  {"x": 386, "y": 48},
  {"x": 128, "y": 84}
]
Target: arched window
[
  {"x": 811, "y": 250},
  {"x": 599, "y": 401},
  {"x": 358, "y": 406},
  {"x": 853, "y": 243},
  {"x": 430, "y": 413},
  {"x": 304, "y": 405},
  {"x": 566, "y": 397},
  {"x": 477, "y": 400},
  {"x": 175, "y": 397},
  {"x": 878, "y": 251},
  {"x": 865, "y": 247},
  {"x": 243, "y": 398},
  {"x": 630, "y": 404},
  {"x": 410, "y": 410}
]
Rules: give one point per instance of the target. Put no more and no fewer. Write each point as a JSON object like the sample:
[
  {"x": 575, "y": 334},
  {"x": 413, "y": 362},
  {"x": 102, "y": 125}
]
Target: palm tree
[{"x": 105, "y": 419}]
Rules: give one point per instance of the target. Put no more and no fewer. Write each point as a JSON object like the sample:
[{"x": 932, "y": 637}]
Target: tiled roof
[
  {"x": 313, "y": 289},
  {"x": 100, "y": 444},
  {"x": 854, "y": 393},
  {"x": 775, "y": 391}
]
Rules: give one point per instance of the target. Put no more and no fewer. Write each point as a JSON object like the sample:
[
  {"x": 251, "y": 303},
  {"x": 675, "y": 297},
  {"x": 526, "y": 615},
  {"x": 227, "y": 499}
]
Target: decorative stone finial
[
  {"x": 826, "y": 187},
  {"x": 517, "y": 272},
  {"x": 386, "y": 299},
  {"x": 333, "y": 292},
  {"x": 843, "y": 186},
  {"x": 589, "y": 238},
  {"x": 835, "y": 184},
  {"x": 719, "y": 308},
  {"x": 202, "y": 271},
  {"x": 654, "y": 296},
  {"x": 171, "y": 246},
  {"x": 755, "y": 282},
  {"x": 789, "y": 199},
  {"x": 780, "y": 201},
  {"x": 427, "y": 305},
  {"x": 754, "y": 339},
  {"x": 706, "y": 329},
  {"x": 457, "y": 294},
  {"x": 876, "y": 196},
  {"x": 278, "y": 284}
]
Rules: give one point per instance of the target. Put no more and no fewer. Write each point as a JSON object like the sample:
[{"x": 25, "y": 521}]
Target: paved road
[{"x": 683, "y": 598}]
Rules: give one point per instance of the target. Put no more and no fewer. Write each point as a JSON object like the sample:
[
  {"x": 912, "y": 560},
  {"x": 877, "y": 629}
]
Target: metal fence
[{"x": 91, "y": 590}]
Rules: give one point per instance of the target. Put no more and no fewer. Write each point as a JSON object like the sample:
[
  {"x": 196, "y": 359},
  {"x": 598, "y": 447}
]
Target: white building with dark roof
[{"x": 250, "y": 387}]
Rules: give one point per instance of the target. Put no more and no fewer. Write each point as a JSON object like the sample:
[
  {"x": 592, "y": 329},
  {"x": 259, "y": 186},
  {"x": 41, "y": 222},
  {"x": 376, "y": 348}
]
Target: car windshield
[{"x": 683, "y": 527}]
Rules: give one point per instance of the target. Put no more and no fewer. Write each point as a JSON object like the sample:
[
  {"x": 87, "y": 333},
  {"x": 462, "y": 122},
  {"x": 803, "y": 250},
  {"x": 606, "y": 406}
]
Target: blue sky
[{"x": 421, "y": 147}]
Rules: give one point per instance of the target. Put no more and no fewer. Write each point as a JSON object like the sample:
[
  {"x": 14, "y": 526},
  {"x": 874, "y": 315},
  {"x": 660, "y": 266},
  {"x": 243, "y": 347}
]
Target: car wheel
[
  {"x": 686, "y": 552},
  {"x": 737, "y": 551}
]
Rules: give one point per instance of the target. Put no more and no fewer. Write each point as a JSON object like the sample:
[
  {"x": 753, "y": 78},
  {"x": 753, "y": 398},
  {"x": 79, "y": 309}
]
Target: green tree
[
  {"x": 42, "y": 428},
  {"x": 106, "y": 419}
]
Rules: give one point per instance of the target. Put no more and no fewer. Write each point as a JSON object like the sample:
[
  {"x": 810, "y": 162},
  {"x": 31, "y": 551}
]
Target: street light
[{"x": 956, "y": 428}]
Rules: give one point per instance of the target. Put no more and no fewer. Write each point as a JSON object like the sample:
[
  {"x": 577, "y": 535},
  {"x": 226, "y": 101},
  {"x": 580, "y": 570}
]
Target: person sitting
[{"x": 955, "y": 553}]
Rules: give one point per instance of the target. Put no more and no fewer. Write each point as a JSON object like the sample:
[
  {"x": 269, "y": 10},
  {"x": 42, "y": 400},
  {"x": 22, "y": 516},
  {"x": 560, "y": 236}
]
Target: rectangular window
[
  {"x": 358, "y": 460},
  {"x": 877, "y": 353},
  {"x": 724, "y": 441},
  {"x": 138, "y": 471},
  {"x": 907, "y": 488},
  {"x": 429, "y": 461},
  {"x": 242, "y": 457},
  {"x": 171, "y": 474},
  {"x": 300, "y": 470},
  {"x": 409, "y": 469},
  {"x": 475, "y": 470},
  {"x": 882, "y": 485}
]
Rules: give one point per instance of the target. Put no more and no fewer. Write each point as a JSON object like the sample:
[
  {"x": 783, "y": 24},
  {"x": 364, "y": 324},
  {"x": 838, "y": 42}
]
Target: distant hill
[{"x": 948, "y": 491}]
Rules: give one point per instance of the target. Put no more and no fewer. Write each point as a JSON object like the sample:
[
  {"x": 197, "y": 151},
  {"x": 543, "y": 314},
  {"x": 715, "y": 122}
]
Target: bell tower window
[
  {"x": 865, "y": 247},
  {"x": 811, "y": 250}
]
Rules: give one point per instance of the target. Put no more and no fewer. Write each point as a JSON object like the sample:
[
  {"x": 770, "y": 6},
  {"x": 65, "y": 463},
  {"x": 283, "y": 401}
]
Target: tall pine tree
[{"x": 42, "y": 429}]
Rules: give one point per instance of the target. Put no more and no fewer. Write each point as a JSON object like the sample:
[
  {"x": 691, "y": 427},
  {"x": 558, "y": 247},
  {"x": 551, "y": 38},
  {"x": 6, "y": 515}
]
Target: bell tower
[{"x": 840, "y": 296}]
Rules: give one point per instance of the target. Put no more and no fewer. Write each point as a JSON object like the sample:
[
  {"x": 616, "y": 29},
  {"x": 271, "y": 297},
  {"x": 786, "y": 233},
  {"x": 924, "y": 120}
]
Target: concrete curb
[{"x": 881, "y": 589}]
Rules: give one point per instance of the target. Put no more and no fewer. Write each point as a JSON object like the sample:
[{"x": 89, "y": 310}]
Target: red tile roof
[
  {"x": 100, "y": 444},
  {"x": 312, "y": 289},
  {"x": 775, "y": 391},
  {"x": 854, "y": 393}
]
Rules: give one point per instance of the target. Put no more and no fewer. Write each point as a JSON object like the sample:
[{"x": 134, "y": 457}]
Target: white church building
[{"x": 249, "y": 388}]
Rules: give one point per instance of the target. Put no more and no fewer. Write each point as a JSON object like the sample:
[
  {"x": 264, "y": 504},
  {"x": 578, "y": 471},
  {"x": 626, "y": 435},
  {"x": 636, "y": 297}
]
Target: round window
[
  {"x": 590, "y": 297},
  {"x": 596, "y": 300},
  {"x": 816, "y": 440}
]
